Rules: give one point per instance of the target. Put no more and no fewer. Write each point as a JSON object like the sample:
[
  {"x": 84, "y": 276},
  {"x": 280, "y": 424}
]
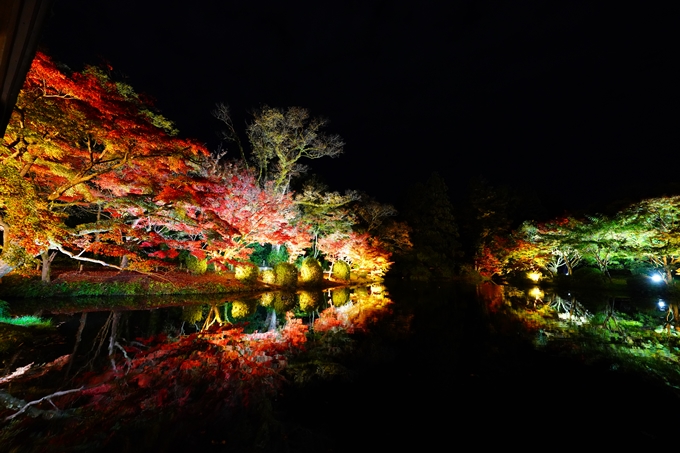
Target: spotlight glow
[{"x": 534, "y": 276}]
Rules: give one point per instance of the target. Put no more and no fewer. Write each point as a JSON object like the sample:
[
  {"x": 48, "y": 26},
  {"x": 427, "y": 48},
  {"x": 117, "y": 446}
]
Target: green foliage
[
  {"x": 4, "y": 309},
  {"x": 247, "y": 273},
  {"x": 268, "y": 255},
  {"x": 588, "y": 277},
  {"x": 24, "y": 288},
  {"x": 26, "y": 321},
  {"x": 341, "y": 271},
  {"x": 161, "y": 122},
  {"x": 196, "y": 266},
  {"x": 259, "y": 253},
  {"x": 277, "y": 255},
  {"x": 286, "y": 274},
  {"x": 311, "y": 272}
]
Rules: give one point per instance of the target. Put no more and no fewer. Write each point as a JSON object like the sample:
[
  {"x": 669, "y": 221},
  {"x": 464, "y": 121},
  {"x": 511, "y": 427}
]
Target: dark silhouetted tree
[{"x": 434, "y": 235}]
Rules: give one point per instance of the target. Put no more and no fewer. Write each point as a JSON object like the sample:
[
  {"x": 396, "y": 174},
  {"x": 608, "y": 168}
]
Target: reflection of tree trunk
[
  {"x": 671, "y": 316},
  {"x": 668, "y": 267},
  {"x": 153, "y": 323},
  {"x": 270, "y": 322},
  {"x": 98, "y": 343},
  {"x": 610, "y": 315},
  {"x": 79, "y": 335},
  {"x": 112, "y": 337},
  {"x": 212, "y": 318}
]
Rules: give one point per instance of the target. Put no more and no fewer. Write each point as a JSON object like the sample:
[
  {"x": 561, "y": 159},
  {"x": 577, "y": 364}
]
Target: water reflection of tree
[
  {"x": 107, "y": 335},
  {"x": 569, "y": 309},
  {"x": 79, "y": 336},
  {"x": 202, "y": 372},
  {"x": 671, "y": 317}
]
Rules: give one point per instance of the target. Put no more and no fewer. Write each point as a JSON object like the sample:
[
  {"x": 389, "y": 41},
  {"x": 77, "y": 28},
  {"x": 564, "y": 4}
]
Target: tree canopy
[{"x": 91, "y": 170}]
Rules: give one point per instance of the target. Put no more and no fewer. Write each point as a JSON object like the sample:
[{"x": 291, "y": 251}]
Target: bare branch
[
  {"x": 18, "y": 372},
  {"x": 44, "y": 398}
]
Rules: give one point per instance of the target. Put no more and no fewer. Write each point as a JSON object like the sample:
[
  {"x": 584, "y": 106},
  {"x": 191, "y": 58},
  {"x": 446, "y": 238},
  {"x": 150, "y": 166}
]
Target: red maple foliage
[{"x": 80, "y": 141}]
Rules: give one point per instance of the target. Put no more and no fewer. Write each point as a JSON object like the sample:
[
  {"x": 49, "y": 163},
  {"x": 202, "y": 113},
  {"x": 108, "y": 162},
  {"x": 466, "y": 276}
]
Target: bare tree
[
  {"x": 222, "y": 113},
  {"x": 280, "y": 139}
]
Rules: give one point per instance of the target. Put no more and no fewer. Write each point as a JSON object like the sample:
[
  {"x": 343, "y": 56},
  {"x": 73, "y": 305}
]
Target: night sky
[{"x": 574, "y": 101}]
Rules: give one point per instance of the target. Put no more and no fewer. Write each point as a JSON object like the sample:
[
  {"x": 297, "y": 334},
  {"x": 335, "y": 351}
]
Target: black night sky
[{"x": 574, "y": 101}]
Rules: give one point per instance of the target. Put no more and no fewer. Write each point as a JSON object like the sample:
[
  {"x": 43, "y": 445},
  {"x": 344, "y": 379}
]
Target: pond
[{"x": 415, "y": 367}]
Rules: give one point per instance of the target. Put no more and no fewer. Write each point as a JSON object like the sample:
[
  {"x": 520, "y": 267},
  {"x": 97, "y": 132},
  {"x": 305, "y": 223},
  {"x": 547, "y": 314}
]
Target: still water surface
[{"x": 426, "y": 367}]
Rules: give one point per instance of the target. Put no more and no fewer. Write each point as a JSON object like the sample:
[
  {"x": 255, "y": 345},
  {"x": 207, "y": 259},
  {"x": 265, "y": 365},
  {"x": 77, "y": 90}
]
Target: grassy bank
[{"x": 117, "y": 285}]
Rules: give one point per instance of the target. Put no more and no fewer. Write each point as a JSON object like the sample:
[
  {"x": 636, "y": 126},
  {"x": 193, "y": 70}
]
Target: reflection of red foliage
[
  {"x": 329, "y": 319},
  {"x": 353, "y": 317},
  {"x": 492, "y": 295},
  {"x": 205, "y": 369}
]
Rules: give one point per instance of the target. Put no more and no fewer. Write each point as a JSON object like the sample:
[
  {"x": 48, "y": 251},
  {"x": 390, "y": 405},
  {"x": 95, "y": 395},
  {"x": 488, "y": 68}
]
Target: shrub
[
  {"x": 340, "y": 296},
  {"x": 196, "y": 266},
  {"x": 341, "y": 271},
  {"x": 269, "y": 276},
  {"x": 310, "y": 300},
  {"x": 283, "y": 302},
  {"x": 192, "y": 314},
  {"x": 241, "y": 309},
  {"x": 267, "y": 299},
  {"x": 247, "y": 273},
  {"x": 311, "y": 272},
  {"x": 286, "y": 274}
]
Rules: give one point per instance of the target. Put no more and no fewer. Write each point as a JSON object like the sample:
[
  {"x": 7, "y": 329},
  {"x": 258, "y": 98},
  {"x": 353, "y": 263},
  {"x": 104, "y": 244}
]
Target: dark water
[
  {"x": 443, "y": 370},
  {"x": 466, "y": 378}
]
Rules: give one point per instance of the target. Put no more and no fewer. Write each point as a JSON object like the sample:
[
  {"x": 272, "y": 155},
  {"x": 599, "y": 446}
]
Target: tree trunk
[
  {"x": 46, "y": 259},
  {"x": 5, "y": 268},
  {"x": 330, "y": 269}
]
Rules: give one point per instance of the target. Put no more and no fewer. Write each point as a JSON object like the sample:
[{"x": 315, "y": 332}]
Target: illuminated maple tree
[
  {"x": 79, "y": 142},
  {"x": 363, "y": 252},
  {"x": 218, "y": 213}
]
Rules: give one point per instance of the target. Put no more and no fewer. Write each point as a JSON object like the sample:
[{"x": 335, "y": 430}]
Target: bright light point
[
  {"x": 536, "y": 293},
  {"x": 661, "y": 304},
  {"x": 534, "y": 276},
  {"x": 656, "y": 278}
]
